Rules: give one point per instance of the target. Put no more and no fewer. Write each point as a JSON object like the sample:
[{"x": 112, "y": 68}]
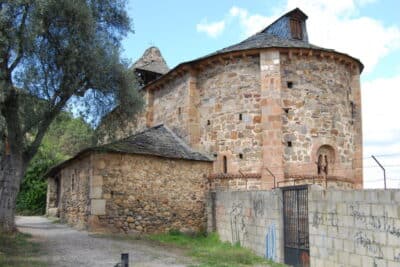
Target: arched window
[{"x": 225, "y": 164}]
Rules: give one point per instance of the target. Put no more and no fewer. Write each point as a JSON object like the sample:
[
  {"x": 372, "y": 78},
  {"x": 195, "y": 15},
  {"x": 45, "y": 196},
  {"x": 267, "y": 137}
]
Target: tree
[
  {"x": 54, "y": 54},
  {"x": 65, "y": 137}
]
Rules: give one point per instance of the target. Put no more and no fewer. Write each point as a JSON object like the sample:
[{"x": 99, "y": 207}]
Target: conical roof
[{"x": 152, "y": 60}]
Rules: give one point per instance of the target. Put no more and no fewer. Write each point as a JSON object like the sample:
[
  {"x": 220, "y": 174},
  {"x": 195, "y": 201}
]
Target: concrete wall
[
  {"x": 354, "y": 228},
  {"x": 346, "y": 227},
  {"x": 251, "y": 218}
]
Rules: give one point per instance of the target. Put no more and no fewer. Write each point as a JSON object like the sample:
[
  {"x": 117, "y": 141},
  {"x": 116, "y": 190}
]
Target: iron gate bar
[{"x": 295, "y": 219}]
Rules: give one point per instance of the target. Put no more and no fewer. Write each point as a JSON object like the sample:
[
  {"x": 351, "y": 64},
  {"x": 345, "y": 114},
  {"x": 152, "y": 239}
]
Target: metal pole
[
  {"x": 272, "y": 176},
  {"x": 125, "y": 260},
  {"x": 384, "y": 171}
]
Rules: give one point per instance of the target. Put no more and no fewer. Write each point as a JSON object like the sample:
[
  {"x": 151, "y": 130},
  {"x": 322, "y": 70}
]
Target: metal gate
[{"x": 295, "y": 220}]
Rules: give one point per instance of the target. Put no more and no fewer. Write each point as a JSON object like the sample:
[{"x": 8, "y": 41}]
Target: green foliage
[
  {"x": 31, "y": 199},
  {"x": 58, "y": 55},
  {"x": 17, "y": 250},
  {"x": 65, "y": 137},
  {"x": 211, "y": 252}
]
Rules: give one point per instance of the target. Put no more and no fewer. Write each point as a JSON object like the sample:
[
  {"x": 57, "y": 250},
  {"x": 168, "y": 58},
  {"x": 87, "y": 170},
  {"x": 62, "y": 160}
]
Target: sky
[{"x": 366, "y": 29}]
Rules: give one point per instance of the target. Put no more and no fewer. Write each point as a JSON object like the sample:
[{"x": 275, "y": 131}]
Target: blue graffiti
[{"x": 270, "y": 241}]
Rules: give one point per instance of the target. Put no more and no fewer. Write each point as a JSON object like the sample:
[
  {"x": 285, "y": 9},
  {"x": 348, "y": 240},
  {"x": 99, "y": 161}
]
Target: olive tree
[{"x": 54, "y": 54}]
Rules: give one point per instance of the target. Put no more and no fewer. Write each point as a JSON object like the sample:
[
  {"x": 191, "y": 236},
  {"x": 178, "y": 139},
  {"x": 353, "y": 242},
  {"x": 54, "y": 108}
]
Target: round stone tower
[{"x": 272, "y": 110}]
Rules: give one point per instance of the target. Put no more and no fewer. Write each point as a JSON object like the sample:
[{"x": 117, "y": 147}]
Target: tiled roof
[{"x": 156, "y": 141}]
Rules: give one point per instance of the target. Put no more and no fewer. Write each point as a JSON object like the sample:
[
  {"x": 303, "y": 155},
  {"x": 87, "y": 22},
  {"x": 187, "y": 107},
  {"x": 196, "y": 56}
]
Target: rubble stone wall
[
  {"x": 151, "y": 194},
  {"x": 74, "y": 205}
]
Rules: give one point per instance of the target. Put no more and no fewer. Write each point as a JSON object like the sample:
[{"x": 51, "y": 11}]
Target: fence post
[{"x": 125, "y": 260}]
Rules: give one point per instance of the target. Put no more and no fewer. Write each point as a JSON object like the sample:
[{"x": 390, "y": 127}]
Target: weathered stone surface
[
  {"x": 242, "y": 109},
  {"x": 152, "y": 194}
]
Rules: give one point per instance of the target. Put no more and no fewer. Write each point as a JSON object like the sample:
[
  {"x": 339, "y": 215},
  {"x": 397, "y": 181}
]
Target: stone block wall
[
  {"x": 150, "y": 194},
  {"x": 170, "y": 106},
  {"x": 74, "y": 205},
  {"x": 251, "y": 218},
  {"x": 354, "y": 227},
  {"x": 230, "y": 116},
  {"x": 270, "y": 112},
  {"x": 319, "y": 97}
]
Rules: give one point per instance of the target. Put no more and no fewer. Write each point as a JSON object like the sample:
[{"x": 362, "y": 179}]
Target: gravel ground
[{"x": 67, "y": 247}]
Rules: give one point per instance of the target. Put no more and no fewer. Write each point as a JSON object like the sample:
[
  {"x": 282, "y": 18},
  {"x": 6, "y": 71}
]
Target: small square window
[
  {"x": 289, "y": 84},
  {"x": 289, "y": 144}
]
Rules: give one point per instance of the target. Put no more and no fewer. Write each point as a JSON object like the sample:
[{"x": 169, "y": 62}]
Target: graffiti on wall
[
  {"x": 258, "y": 206},
  {"x": 377, "y": 223},
  {"x": 270, "y": 243},
  {"x": 330, "y": 219},
  {"x": 381, "y": 223},
  {"x": 372, "y": 246},
  {"x": 238, "y": 225}
]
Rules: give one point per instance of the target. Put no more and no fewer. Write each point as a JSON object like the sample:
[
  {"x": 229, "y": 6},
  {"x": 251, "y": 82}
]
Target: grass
[
  {"x": 209, "y": 251},
  {"x": 17, "y": 250}
]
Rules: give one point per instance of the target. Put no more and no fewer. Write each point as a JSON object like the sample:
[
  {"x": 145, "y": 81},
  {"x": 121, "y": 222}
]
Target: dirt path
[{"x": 67, "y": 247}]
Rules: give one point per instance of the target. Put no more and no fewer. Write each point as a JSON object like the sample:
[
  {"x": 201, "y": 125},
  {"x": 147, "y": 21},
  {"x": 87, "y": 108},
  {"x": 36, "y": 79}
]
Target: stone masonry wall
[
  {"x": 151, "y": 194},
  {"x": 251, "y": 218},
  {"x": 230, "y": 116},
  {"x": 169, "y": 106},
  {"x": 318, "y": 112},
  {"x": 354, "y": 228},
  {"x": 74, "y": 206}
]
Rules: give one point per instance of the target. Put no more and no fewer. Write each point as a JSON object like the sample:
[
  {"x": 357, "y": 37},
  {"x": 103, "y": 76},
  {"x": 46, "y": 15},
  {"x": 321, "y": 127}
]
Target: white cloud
[
  {"x": 250, "y": 23},
  {"x": 212, "y": 29},
  {"x": 332, "y": 24},
  {"x": 337, "y": 24}
]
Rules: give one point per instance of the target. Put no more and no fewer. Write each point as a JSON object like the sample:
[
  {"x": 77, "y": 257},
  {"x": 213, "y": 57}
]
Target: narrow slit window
[
  {"x": 353, "y": 111},
  {"x": 208, "y": 122},
  {"x": 240, "y": 116},
  {"x": 241, "y": 156},
  {"x": 225, "y": 164},
  {"x": 179, "y": 111},
  {"x": 73, "y": 182},
  {"x": 289, "y": 144}
]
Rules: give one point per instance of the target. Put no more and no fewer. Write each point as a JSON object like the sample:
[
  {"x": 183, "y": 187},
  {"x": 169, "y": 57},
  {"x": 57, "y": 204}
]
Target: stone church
[{"x": 270, "y": 111}]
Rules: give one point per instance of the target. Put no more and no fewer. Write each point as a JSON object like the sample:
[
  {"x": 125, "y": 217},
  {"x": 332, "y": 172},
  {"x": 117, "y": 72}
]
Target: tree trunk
[{"x": 12, "y": 169}]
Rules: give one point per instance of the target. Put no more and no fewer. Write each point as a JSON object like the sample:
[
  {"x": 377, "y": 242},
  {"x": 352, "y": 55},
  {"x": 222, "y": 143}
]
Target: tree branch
[{"x": 20, "y": 50}]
